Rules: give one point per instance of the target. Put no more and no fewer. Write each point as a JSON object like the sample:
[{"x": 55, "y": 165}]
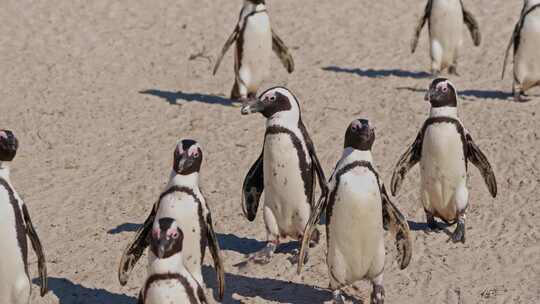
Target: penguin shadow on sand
[
  {"x": 442, "y": 227},
  {"x": 68, "y": 292},
  {"x": 371, "y": 73},
  {"x": 248, "y": 246},
  {"x": 174, "y": 98},
  {"x": 125, "y": 227},
  {"x": 266, "y": 288},
  {"x": 471, "y": 95}
]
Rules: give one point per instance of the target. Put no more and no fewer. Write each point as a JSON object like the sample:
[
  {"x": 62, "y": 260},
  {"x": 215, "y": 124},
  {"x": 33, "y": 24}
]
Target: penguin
[
  {"x": 356, "y": 207},
  {"x": 446, "y": 19},
  {"x": 285, "y": 171},
  {"x": 526, "y": 41},
  {"x": 183, "y": 201},
  {"x": 255, "y": 39},
  {"x": 168, "y": 279},
  {"x": 15, "y": 227},
  {"x": 443, "y": 147}
]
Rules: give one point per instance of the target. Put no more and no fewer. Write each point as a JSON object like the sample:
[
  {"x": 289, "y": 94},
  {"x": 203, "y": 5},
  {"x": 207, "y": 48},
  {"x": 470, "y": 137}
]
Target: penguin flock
[{"x": 356, "y": 207}]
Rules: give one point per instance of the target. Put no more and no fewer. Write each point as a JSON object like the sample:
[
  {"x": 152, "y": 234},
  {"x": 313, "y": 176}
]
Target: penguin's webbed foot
[
  {"x": 377, "y": 295},
  {"x": 338, "y": 297},
  {"x": 295, "y": 257},
  {"x": 459, "y": 233},
  {"x": 263, "y": 256}
]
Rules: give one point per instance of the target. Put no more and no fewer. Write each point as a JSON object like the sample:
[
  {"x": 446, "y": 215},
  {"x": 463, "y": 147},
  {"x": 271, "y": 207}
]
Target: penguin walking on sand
[
  {"x": 526, "y": 42},
  {"x": 445, "y": 21},
  {"x": 168, "y": 279},
  {"x": 255, "y": 40},
  {"x": 356, "y": 208},
  {"x": 15, "y": 227},
  {"x": 285, "y": 171},
  {"x": 444, "y": 148},
  {"x": 184, "y": 202}
]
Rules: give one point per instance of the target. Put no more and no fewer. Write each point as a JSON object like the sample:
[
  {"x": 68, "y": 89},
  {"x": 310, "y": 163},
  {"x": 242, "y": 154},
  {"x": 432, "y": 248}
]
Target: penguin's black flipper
[
  {"x": 216, "y": 255},
  {"x": 310, "y": 227},
  {"x": 135, "y": 249},
  {"x": 36, "y": 244},
  {"x": 475, "y": 156},
  {"x": 399, "y": 226},
  {"x": 420, "y": 25},
  {"x": 253, "y": 188},
  {"x": 278, "y": 46},
  {"x": 472, "y": 25},
  {"x": 318, "y": 208},
  {"x": 315, "y": 161},
  {"x": 226, "y": 46},
  {"x": 410, "y": 158}
]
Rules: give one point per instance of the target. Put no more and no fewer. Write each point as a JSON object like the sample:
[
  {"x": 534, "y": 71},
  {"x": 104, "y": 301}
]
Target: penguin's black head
[
  {"x": 360, "y": 135},
  {"x": 442, "y": 93},
  {"x": 257, "y": 2},
  {"x": 8, "y": 145},
  {"x": 272, "y": 102},
  {"x": 187, "y": 157},
  {"x": 166, "y": 239}
]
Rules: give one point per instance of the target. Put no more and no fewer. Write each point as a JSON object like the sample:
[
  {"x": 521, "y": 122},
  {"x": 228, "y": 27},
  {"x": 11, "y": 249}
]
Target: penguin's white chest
[
  {"x": 446, "y": 29},
  {"x": 167, "y": 291},
  {"x": 284, "y": 187},
  {"x": 183, "y": 208},
  {"x": 256, "y": 50},
  {"x": 14, "y": 282},
  {"x": 355, "y": 233},
  {"x": 443, "y": 169},
  {"x": 527, "y": 62}
]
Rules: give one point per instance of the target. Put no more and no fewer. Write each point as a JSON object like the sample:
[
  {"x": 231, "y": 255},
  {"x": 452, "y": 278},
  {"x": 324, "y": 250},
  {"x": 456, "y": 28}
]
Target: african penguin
[
  {"x": 184, "y": 202},
  {"x": 255, "y": 41},
  {"x": 355, "y": 207},
  {"x": 285, "y": 170},
  {"x": 168, "y": 279},
  {"x": 526, "y": 42},
  {"x": 444, "y": 147},
  {"x": 15, "y": 227},
  {"x": 446, "y": 19}
]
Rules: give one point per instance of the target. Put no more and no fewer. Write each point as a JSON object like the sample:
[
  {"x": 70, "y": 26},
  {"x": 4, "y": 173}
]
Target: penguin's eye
[
  {"x": 272, "y": 98},
  {"x": 174, "y": 235},
  {"x": 445, "y": 89}
]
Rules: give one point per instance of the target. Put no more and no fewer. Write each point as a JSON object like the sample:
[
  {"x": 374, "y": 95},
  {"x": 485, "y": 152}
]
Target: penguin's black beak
[
  {"x": 185, "y": 161},
  {"x": 161, "y": 248},
  {"x": 255, "y": 106}
]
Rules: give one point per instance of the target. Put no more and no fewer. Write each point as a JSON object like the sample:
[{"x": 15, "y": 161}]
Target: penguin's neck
[
  {"x": 287, "y": 119},
  {"x": 443, "y": 111},
  {"x": 350, "y": 155},
  {"x": 167, "y": 265},
  {"x": 189, "y": 181},
  {"x": 4, "y": 170}
]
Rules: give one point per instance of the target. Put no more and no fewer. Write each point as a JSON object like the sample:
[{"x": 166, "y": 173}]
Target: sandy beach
[{"x": 98, "y": 93}]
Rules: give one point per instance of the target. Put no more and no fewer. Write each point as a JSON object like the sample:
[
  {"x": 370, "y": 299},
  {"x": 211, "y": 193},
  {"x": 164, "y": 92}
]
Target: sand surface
[{"x": 99, "y": 91}]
